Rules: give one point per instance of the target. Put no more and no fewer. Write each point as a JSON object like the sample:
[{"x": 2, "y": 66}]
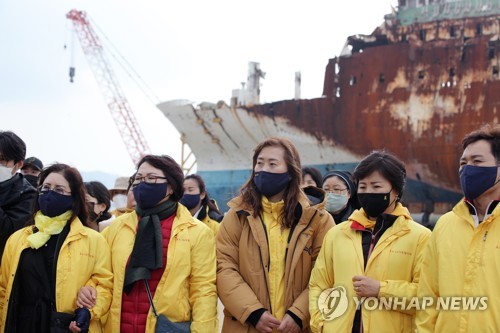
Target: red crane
[{"x": 117, "y": 103}]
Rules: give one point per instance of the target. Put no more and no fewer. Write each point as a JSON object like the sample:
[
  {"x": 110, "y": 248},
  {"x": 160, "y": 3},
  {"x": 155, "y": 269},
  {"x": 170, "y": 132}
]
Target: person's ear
[
  {"x": 203, "y": 195},
  {"x": 101, "y": 208},
  {"x": 170, "y": 191},
  {"x": 18, "y": 166}
]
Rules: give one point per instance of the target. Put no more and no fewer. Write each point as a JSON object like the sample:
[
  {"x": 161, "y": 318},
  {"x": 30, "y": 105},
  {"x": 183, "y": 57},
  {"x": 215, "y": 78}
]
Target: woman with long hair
[
  {"x": 45, "y": 264},
  {"x": 267, "y": 244},
  {"x": 198, "y": 202},
  {"x": 98, "y": 203}
]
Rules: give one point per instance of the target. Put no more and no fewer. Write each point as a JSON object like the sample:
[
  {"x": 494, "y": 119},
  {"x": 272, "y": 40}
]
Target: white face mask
[
  {"x": 5, "y": 173},
  {"x": 335, "y": 202},
  {"x": 120, "y": 201}
]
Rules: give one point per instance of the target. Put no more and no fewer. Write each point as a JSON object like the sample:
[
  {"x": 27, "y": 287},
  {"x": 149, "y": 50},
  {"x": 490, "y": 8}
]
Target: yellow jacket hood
[{"x": 360, "y": 216}]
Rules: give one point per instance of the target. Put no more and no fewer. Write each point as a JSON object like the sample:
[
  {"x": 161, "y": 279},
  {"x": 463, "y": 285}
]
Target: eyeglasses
[
  {"x": 131, "y": 181},
  {"x": 149, "y": 179},
  {"x": 336, "y": 190},
  {"x": 43, "y": 189}
]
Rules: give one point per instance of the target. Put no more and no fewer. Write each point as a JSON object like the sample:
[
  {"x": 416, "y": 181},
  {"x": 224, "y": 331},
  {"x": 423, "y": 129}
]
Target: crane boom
[{"x": 120, "y": 109}]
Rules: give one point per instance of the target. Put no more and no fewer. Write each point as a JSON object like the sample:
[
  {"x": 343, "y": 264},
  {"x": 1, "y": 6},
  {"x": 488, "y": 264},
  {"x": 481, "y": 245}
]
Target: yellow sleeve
[
  {"x": 215, "y": 227},
  {"x": 425, "y": 319},
  {"x": 102, "y": 278},
  {"x": 202, "y": 287},
  {"x": 5, "y": 273},
  {"x": 407, "y": 289},
  {"x": 322, "y": 278},
  {"x": 108, "y": 238}
]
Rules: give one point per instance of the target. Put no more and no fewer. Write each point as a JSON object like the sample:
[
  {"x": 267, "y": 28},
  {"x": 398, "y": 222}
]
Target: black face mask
[
  {"x": 374, "y": 204},
  {"x": 53, "y": 204},
  {"x": 190, "y": 200},
  {"x": 148, "y": 195},
  {"x": 33, "y": 180},
  {"x": 269, "y": 183}
]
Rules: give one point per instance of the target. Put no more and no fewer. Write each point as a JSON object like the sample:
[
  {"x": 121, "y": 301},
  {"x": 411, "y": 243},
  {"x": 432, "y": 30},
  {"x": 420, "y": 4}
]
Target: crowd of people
[{"x": 297, "y": 251}]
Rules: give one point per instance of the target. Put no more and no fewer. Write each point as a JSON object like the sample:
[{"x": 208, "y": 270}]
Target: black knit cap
[{"x": 346, "y": 176}]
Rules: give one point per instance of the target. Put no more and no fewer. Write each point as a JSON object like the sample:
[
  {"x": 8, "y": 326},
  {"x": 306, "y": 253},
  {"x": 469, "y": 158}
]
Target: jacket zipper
[
  {"x": 54, "y": 268},
  {"x": 268, "y": 264},
  {"x": 372, "y": 242},
  {"x": 267, "y": 240},
  {"x": 370, "y": 250},
  {"x": 372, "y": 245},
  {"x": 286, "y": 253},
  {"x": 267, "y": 285},
  {"x": 483, "y": 247},
  {"x": 300, "y": 233}
]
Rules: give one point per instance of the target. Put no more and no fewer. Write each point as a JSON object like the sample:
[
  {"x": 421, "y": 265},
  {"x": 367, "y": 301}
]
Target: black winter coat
[{"x": 17, "y": 199}]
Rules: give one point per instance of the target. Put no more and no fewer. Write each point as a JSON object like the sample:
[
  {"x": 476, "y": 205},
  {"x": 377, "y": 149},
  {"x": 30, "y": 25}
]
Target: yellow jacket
[
  {"x": 84, "y": 258},
  {"x": 395, "y": 262},
  {"x": 186, "y": 290},
  {"x": 462, "y": 261},
  {"x": 118, "y": 212},
  {"x": 211, "y": 223},
  {"x": 243, "y": 258}
]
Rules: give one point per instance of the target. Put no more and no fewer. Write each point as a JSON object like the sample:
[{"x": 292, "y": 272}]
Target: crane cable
[{"x": 127, "y": 67}]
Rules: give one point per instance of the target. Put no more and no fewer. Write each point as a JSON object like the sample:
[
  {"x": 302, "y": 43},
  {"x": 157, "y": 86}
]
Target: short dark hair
[
  {"x": 99, "y": 191},
  {"x": 388, "y": 165},
  {"x": 171, "y": 170},
  {"x": 12, "y": 147},
  {"x": 314, "y": 173},
  {"x": 490, "y": 133},
  {"x": 74, "y": 178}
]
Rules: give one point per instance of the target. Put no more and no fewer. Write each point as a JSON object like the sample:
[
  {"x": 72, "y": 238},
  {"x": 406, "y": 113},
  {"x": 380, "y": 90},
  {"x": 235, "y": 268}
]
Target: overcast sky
[{"x": 196, "y": 50}]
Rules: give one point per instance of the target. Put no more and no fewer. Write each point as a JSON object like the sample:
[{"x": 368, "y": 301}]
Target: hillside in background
[{"x": 106, "y": 178}]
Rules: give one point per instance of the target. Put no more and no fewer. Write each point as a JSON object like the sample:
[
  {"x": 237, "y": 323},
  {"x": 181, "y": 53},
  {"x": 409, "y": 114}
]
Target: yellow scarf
[
  {"x": 47, "y": 226},
  {"x": 360, "y": 216}
]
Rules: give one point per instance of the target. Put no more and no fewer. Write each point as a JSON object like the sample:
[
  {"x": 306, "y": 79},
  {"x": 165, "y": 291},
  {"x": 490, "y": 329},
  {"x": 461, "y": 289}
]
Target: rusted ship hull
[
  {"x": 222, "y": 139},
  {"x": 420, "y": 97},
  {"x": 412, "y": 89}
]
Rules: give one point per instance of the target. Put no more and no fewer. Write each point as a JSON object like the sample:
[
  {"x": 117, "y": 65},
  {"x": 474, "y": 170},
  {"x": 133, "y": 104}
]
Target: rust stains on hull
[{"x": 415, "y": 90}]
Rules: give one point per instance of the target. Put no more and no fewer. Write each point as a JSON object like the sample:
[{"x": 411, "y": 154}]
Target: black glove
[{"x": 82, "y": 318}]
